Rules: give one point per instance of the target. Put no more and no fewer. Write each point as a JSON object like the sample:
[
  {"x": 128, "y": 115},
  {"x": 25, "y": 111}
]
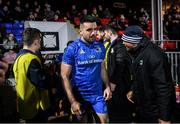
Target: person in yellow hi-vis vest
[
  {"x": 31, "y": 80},
  {"x": 118, "y": 65}
]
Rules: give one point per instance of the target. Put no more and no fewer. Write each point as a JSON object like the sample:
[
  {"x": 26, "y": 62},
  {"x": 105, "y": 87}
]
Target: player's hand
[
  {"x": 107, "y": 93},
  {"x": 130, "y": 96},
  {"x": 76, "y": 108}
]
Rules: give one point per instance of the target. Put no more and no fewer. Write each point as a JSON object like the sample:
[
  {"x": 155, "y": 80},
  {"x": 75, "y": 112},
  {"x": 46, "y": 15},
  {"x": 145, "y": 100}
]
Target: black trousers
[{"x": 120, "y": 110}]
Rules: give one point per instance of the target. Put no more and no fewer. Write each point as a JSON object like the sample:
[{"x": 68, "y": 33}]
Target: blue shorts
[{"x": 98, "y": 103}]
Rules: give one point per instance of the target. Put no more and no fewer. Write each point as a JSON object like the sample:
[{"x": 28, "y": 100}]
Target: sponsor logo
[{"x": 90, "y": 61}]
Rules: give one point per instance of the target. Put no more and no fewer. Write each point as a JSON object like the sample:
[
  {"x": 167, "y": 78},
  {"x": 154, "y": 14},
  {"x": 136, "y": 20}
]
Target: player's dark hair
[{"x": 88, "y": 18}]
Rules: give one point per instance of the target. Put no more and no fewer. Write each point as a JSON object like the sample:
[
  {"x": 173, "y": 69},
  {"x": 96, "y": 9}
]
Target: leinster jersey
[{"x": 86, "y": 62}]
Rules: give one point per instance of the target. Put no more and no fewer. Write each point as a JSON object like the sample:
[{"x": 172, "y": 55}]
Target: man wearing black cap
[{"x": 153, "y": 90}]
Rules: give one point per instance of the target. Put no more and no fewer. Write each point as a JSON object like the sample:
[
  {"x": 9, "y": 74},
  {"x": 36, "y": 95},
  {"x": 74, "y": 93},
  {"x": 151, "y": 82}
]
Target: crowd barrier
[
  {"x": 173, "y": 59},
  {"x": 172, "y": 50}
]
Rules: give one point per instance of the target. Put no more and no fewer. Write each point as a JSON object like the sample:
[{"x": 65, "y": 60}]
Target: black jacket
[
  {"x": 119, "y": 65},
  {"x": 153, "y": 87},
  {"x": 119, "y": 72}
]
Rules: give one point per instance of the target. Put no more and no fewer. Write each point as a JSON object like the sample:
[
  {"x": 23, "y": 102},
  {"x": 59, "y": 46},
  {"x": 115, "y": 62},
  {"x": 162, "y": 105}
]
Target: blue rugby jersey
[{"x": 86, "y": 62}]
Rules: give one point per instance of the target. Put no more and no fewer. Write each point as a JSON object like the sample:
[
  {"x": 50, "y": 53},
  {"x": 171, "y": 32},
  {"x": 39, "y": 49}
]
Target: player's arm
[
  {"x": 65, "y": 74},
  {"x": 104, "y": 76}
]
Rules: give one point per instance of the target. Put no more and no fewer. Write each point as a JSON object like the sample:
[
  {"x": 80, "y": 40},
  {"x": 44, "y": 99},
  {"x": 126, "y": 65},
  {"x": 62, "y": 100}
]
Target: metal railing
[
  {"x": 173, "y": 59},
  {"x": 172, "y": 50}
]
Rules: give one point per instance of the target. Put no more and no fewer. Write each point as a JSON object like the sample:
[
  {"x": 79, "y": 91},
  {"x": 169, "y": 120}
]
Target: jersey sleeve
[{"x": 68, "y": 56}]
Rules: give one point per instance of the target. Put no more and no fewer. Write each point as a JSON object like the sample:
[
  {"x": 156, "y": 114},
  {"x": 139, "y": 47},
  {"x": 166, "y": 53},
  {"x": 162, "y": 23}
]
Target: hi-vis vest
[
  {"x": 29, "y": 98},
  {"x": 107, "y": 47}
]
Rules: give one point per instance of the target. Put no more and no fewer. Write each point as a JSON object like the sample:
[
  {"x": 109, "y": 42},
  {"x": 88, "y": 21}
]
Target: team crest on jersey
[
  {"x": 81, "y": 51},
  {"x": 98, "y": 49}
]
